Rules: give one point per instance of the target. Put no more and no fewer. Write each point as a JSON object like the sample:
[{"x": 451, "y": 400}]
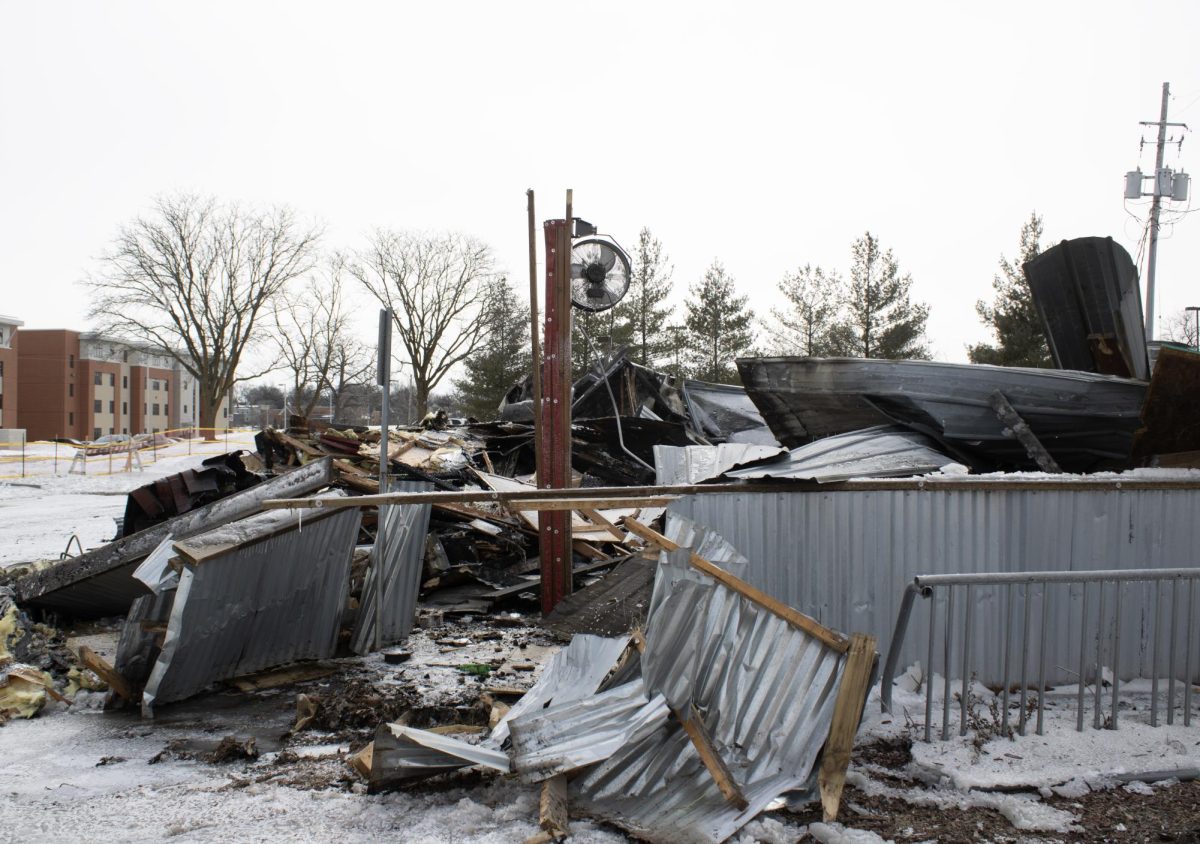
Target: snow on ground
[
  {"x": 42, "y": 511},
  {"x": 54, "y": 790},
  {"x": 1059, "y": 756}
]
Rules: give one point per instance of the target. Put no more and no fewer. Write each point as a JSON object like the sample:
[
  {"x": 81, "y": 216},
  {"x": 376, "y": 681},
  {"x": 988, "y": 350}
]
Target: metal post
[
  {"x": 1082, "y": 659},
  {"x": 946, "y": 664},
  {"x": 1154, "y": 654},
  {"x": 966, "y": 664},
  {"x": 1043, "y": 638},
  {"x": 1187, "y": 657},
  {"x": 1174, "y": 629},
  {"x": 1008, "y": 605},
  {"x": 22, "y": 452},
  {"x": 1099, "y": 676},
  {"x": 1155, "y": 206},
  {"x": 1023, "y": 718},
  {"x": 1116, "y": 686},
  {"x": 535, "y": 341},
  {"x": 554, "y": 527},
  {"x": 383, "y": 378},
  {"x": 929, "y": 664}
]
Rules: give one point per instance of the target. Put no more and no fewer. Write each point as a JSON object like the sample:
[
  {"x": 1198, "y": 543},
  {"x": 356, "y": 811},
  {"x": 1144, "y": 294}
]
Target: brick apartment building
[
  {"x": 84, "y": 386},
  {"x": 8, "y": 371}
]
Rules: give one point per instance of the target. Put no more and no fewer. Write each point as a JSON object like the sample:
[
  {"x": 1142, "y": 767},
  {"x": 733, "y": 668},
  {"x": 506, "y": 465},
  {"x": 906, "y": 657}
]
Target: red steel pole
[{"x": 554, "y": 430}]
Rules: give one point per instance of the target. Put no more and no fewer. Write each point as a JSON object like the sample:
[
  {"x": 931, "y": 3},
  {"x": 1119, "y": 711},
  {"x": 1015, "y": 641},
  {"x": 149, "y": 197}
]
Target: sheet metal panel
[
  {"x": 567, "y": 736},
  {"x": 100, "y": 582},
  {"x": 678, "y": 465},
  {"x": 880, "y": 452},
  {"x": 405, "y": 529},
  {"x": 845, "y": 557},
  {"x": 764, "y": 689},
  {"x": 1087, "y": 288},
  {"x": 269, "y": 602}
]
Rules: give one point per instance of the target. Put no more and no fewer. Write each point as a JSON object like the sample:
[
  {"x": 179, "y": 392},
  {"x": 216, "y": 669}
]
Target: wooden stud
[
  {"x": 693, "y": 725},
  {"x": 847, "y": 710},
  {"x": 827, "y": 636},
  {"x": 553, "y": 816},
  {"x": 119, "y": 685}
]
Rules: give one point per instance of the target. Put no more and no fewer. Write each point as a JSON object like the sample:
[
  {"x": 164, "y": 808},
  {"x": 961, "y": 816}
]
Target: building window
[
  {"x": 156, "y": 410},
  {"x": 111, "y": 409},
  {"x": 71, "y": 359},
  {"x": 166, "y": 386},
  {"x": 112, "y": 379},
  {"x": 124, "y": 430},
  {"x": 124, "y": 408},
  {"x": 1, "y": 369},
  {"x": 99, "y": 379},
  {"x": 125, "y": 381},
  {"x": 97, "y": 406},
  {"x": 71, "y": 419},
  {"x": 225, "y": 413},
  {"x": 185, "y": 411},
  {"x": 96, "y": 434},
  {"x": 70, "y": 389},
  {"x": 153, "y": 385},
  {"x": 110, "y": 430}
]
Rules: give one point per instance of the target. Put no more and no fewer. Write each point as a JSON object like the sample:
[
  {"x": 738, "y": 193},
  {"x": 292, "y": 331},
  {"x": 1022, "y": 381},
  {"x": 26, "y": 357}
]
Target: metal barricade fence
[{"x": 1053, "y": 592}]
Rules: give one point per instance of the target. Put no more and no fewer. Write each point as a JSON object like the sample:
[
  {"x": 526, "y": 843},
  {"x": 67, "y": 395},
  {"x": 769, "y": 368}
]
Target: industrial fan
[{"x": 600, "y": 274}]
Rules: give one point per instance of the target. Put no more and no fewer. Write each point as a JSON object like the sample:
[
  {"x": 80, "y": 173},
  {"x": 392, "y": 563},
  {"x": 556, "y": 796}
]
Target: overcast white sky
[{"x": 769, "y": 135}]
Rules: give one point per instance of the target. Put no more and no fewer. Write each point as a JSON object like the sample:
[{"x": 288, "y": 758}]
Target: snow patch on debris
[{"x": 835, "y": 833}]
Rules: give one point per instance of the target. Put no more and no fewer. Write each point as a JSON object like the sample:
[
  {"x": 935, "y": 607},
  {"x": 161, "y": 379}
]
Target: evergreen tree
[
  {"x": 502, "y": 359},
  {"x": 1012, "y": 317},
  {"x": 593, "y": 333},
  {"x": 806, "y": 326},
  {"x": 880, "y": 321},
  {"x": 645, "y": 307},
  {"x": 719, "y": 327}
]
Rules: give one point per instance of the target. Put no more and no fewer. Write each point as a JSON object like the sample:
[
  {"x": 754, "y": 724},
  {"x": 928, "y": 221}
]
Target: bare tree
[
  {"x": 193, "y": 278},
  {"x": 312, "y": 337},
  {"x": 353, "y": 368},
  {"x": 433, "y": 284},
  {"x": 1180, "y": 327}
]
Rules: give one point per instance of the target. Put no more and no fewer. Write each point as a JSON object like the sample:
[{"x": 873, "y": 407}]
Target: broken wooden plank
[
  {"x": 794, "y": 617},
  {"x": 273, "y": 678},
  {"x": 118, "y": 684},
  {"x": 552, "y": 807},
  {"x": 362, "y": 760},
  {"x": 847, "y": 710},
  {"x": 693, "y": 725},
  {"x": 1012, "y": 420}
]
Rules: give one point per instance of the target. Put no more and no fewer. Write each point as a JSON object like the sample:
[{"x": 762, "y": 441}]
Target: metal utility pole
[
  {"x": 1155, "y": 207},
  {"x": 554, "y": 426},
  {"x": 534, "y": 329},
  {"x": 383, "y": 377}
]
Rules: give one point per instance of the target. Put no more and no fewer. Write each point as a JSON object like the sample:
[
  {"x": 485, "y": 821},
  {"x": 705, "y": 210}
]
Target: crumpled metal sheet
[
  {"x": 567, "y": 736},
  {"x": 399, "y": 571},
  {"x": 402, "y": 753},
  {"x": 573, "y": 673},
  {"x": 268, "y": 600},
  {"x": 765, "y": 690},
  {"x": 154, "y": 570},
  {"x": 885, "y": 451},
  {"x": 675, "y": 465},
  {"x": 1087, "y": 294}
]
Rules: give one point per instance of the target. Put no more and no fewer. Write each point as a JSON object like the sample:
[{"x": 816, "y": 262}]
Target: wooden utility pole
[
  {"x": 1155, "y": 207},
  {"x": 534, "y": 331}
]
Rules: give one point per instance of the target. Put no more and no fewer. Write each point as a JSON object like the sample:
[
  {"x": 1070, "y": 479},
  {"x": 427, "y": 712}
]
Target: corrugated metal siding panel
[
  {"x": 406, "y": 526},
  {"x": 845, "y": 557},
  {"x": 267, "y": 603}
]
